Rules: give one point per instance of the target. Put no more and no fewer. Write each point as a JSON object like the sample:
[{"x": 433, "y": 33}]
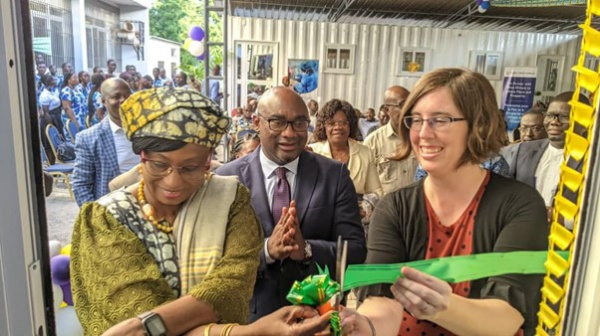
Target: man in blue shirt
[{"x": 214, "y": 88}]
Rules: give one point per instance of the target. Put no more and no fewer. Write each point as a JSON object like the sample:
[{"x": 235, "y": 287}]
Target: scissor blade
[
  {"x": 338, "y": 260},
  {"x": 343, "y": 266}
]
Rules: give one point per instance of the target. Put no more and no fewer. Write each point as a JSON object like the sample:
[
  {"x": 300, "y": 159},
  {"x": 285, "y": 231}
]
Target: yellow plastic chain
[{"x": 568, "y": 201}]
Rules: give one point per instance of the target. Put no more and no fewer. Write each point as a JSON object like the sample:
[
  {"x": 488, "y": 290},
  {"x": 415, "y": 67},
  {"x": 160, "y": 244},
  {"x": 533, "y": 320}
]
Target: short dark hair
[
  {"x": 154, "y": 144},
  {"x": 565, "y": 97},
  {"x": 47, "y": 80},
  {"x": 111, "y": 61},
  {"x": 475, "y": 98},
  {"x": 328, "y": 111},
  {"x": 534, "y": 111}
]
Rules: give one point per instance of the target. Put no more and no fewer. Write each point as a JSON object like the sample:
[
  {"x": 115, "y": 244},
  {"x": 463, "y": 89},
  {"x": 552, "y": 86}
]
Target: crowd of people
[
  {"x": 169, "y": 241},
  {"x": 76, "y": 96}
]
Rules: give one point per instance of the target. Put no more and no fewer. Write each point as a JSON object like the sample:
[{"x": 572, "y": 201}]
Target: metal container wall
[{"x": 378, "y": 48}]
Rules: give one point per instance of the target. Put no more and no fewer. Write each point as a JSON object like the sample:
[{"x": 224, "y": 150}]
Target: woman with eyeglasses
[
  {"x": 180, "y": 249},
  {"x": 452, "y": 124},
  {"x": 336, "y": 131}
]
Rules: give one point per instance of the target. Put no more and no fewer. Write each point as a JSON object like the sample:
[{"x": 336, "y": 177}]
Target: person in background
[
  {"x": 385, "y": 141},
  {"x": 73, "y": 103},
  {"x": 50, "y": 113},
  {"x": 131, "y": 69},
  {"x": 102, "y": 151},
  {"x": 531, "y": 128},
  {"x": 41, "y": 71},
  {"x": 181, "y": 80},
  {"x": 382, "y": 119},
  {"x": 84, "y": 84},
  {"x": 96, "y": 108},
  {"x": 366, "y": 123},
  {"x": 178, "y": 250},
  {"x": 195, "y": 84},
  {"x": 214, "y": 87},
  {"x": 450, "y": 121},
  {"x": 111, "y": 67},
  {"x": 313, "y": 109},
  {"x": 97, "y": 70},
  {"x": 537, "y": 162},
  {"x": 245, "y": 144},
  {"x": 146, "y": 83},
  {"x": 157, "y": 82},
  {"x": 336, "y": 126}
]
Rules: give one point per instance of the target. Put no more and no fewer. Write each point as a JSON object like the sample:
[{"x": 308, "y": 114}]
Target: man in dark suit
[
  {"x": 304, "y": 235},
  {"x": 537, "y": 163}
]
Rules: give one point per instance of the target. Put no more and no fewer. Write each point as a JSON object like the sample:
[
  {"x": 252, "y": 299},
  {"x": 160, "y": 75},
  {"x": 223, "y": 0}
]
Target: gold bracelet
[
  {"x": 227, "y": 330},
  {"x": 207, "y": 329}
]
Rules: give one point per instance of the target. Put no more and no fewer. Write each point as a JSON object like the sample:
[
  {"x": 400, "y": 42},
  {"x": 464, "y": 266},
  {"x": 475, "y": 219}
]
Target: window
[
  {"x": 486, "y": 63},
  {"x": 173, "y": 52},
  {"x": 413, "y": 62},
  {"x": 52, "y": 31},
  {"x": 161, "y": 64},
  {"x": 339, "y": 58}
]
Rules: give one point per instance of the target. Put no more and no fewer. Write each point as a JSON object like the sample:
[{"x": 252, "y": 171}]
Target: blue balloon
[
  {"x": 196, "y": 33},
  {"x": 485, "y": 5}
]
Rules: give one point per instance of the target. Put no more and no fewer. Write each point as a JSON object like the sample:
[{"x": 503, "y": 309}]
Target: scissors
[{"x": 340, "y": 268}]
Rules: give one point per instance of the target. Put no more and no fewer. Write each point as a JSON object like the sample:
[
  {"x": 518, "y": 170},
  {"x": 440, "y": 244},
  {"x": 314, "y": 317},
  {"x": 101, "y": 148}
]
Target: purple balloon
[
  {"x": 59, "y": 268},
  {"x": 200, "y": 58},
  {"x": 196, "y": 33},
  {"x": 478, "y": 2}
]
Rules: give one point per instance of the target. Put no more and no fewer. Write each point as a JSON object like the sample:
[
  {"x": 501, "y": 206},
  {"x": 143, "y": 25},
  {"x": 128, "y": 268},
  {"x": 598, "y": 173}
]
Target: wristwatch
[
  {"x": 153, "y": 324},
  {"x": 307, "y": 252}
]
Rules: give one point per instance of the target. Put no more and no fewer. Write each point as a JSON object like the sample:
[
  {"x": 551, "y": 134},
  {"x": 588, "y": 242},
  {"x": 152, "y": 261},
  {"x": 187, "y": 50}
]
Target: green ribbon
[
  {"x": 317, "y": 290},
  {"x": 453, "y": 269}
]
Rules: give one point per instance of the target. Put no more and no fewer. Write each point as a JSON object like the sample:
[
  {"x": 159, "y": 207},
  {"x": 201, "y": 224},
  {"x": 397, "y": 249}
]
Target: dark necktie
[{"x": 281, "y": 194}]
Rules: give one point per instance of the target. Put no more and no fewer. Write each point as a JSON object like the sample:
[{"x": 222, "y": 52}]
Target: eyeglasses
[
  {"x": 438, "y": 123},
  {"x": 562, "y": 118},
  {"x": 279, "y": 125},
  {"x": 535, "y": 129},
  {"x": 162, "y": 169},
  {"x": 341, "y": 123}
]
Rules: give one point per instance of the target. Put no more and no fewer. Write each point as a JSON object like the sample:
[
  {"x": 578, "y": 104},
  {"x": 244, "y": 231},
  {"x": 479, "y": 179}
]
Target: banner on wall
[{"x": 518, "y": 90}]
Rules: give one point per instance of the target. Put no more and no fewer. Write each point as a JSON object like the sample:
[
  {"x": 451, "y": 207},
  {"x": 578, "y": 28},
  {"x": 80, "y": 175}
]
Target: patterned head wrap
[{"x": 174, "y": 114}]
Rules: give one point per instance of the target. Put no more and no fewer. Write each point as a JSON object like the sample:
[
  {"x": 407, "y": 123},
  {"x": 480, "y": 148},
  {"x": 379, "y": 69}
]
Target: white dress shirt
[
  {"x": 547, "y": 173},
  {"x": 126, "y": 158},
  {"x": 268, "y": 169}
]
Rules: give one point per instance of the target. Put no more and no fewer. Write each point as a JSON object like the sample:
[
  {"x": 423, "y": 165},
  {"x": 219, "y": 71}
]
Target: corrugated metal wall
[{"x": 378, "y": 48}]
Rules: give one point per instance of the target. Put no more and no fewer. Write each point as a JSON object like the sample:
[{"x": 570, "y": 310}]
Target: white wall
[
  {"x": 80, "y": 60},
  {"x": 378, "y": 47},
  {"x": 128, "y": 54},
  {"x": 160, "y": 51}
]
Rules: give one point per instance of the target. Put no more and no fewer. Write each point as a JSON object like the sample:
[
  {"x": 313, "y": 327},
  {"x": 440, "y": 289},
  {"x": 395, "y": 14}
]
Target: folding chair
[
  {"x": 59, "y": 171},
  {"x": 72, "y": 129}
]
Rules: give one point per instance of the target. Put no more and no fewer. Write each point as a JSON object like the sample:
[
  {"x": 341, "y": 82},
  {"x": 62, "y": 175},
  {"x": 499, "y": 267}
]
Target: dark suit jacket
[
  {"x": 525, "y": 161},
  {"x": 327, "y": 208}
]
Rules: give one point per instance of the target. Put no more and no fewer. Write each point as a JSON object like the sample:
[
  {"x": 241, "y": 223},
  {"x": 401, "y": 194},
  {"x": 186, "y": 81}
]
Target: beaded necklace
[{"x": 148, "y": 210}]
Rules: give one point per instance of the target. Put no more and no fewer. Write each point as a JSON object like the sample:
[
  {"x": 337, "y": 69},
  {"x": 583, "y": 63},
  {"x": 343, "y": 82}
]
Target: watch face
[{"x": 156, "y": 326}]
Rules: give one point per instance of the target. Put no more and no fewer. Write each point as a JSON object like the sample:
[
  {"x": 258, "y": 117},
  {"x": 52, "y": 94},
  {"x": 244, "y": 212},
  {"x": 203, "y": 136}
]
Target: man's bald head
[
  {"x": 393, "y": 100},
  {"x": 114, "y": 92},
  {"x": 280, "y": 98},
  {"x": 111, "y": 84},
  {"x": 397, "y": 92},
  {"x": 282, "y": 122}
]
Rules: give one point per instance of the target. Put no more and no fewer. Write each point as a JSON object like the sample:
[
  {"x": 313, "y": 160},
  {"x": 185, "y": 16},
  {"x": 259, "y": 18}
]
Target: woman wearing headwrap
[{"x": 178, "y": 250}]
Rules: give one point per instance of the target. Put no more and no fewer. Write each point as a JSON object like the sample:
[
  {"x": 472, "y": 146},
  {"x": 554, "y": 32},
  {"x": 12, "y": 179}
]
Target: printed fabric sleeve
[
  {"x": 113, "y": 277},
  {"x": 229, "y": 287}
]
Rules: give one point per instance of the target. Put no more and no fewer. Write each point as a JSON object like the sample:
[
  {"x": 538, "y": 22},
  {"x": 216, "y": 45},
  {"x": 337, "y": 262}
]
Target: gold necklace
[{"x": 148, "y": 210}]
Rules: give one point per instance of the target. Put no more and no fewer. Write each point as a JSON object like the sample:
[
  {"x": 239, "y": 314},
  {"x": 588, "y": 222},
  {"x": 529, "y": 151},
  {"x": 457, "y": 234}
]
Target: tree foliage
[{"x": 172, "y": 19}]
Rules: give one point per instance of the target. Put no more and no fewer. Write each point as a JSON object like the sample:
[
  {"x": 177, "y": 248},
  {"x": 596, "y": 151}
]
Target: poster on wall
[
  {"x": 303, "y": 75},
  {"x": 518, "y": 90}
]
